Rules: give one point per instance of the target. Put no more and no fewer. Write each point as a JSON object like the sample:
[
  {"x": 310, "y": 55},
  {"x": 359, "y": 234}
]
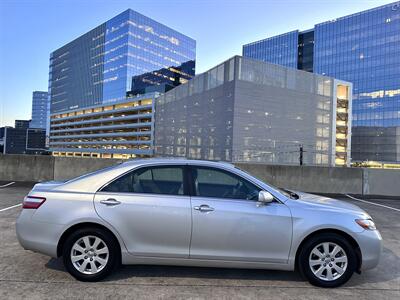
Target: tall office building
[
  {"x": 102, "y": 85},
  {"x": 362, "y": 48},
  {"x": 244, "y": 110},
  {"x": 39, "y": 109}
]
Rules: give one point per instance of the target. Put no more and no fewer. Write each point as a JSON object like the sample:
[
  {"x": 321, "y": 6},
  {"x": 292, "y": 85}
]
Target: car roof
[
  {"x": 91, "y": 182},
  {"x": 175, "y": 160}
]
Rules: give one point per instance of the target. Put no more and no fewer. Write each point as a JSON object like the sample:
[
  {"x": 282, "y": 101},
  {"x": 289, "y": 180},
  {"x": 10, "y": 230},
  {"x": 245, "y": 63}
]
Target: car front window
[
  {"x": 211, "y": 182},
  {"x": 282, "y": 191}
]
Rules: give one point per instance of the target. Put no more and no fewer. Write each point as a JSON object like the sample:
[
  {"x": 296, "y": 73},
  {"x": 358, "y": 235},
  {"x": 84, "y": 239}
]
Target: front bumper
[
  {"x": 370, "y": 242},
  {"x": 37, "y": 236}
]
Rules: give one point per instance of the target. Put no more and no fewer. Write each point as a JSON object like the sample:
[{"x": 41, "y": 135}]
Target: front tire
[
  {"x": 90, "y": 254},
  {"x": 327, "y": 260}
]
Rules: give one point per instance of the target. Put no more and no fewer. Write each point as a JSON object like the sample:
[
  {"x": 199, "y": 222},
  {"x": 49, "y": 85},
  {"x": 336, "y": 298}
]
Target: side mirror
[{"x": 265, "y": 197}]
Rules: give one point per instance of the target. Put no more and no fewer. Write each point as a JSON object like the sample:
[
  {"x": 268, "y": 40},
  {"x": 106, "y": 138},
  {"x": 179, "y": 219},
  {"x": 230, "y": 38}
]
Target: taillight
[{"x": 33, "y": 202}]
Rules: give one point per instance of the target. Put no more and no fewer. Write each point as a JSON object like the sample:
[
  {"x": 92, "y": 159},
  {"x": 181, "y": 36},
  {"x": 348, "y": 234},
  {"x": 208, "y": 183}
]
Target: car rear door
[
  {"x": 228, "y": 223},
  {"x": 150, "y": 208}
]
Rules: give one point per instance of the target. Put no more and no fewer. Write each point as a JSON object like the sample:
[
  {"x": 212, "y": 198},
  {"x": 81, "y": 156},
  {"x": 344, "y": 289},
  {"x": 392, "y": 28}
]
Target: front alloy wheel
[
  {"x": 90, "y": 254},
  {"x": 327, "y": 260}
]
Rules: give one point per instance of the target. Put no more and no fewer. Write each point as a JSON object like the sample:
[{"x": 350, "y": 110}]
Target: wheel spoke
[
  {"x": 103, "y": 250},
  {"x": 335, "y": 251},
  {"x": 341, "y": 259},
  {"x": 317, "y": 253},
  {"x": 329, "y": 275},
  {"x": 326, "y": 248},
  {"x": 314, "y": 263},
  {"x": 96, "y": 243},
  {"x": 100, "y": 260},
  {"x": 338, "y": 269},
  {"x": 86, "y": 242},
  {"x": 78, "y": 248},
  {"x": 77, "y": 258},
  {"x": 93, "y": 267},
  {"x": 83, "y": 266},
  {"x": 319, "y": 271}
]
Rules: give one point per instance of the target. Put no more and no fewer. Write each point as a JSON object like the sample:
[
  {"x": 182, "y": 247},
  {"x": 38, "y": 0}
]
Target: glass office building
[
  {"x": 362, "y": 48},
  {"x": 39, "y": 109},
  {"x": 120, "y": 61},
  {"x": 280, "y": 49}
]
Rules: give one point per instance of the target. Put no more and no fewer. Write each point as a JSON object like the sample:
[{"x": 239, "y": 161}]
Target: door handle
[
  {"x": 110, "y": 202},
  {"x": 204, "y": 208}
]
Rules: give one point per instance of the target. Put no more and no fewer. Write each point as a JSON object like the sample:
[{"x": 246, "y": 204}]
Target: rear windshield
[{"x": 93, "y": 173}]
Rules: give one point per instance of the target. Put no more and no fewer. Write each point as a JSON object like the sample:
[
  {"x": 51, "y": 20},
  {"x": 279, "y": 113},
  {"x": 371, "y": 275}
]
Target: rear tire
[
  {"x": 327, "y": 260},
  {"x": 90, "y": 254}
]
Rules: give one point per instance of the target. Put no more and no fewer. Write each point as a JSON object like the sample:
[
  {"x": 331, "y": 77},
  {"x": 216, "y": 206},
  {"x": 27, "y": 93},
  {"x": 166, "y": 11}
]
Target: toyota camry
[{"x": 194, "y": 213}]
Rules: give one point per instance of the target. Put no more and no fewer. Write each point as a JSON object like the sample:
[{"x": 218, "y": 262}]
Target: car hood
[{"x": 322, "y": 202}]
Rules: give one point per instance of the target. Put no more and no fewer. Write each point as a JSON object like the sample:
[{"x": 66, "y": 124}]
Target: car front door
[
  {"x": 229, "y": 224},
  {"x": 150, "y": 208}
]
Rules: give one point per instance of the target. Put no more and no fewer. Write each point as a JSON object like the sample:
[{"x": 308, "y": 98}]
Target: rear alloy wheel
[
  {"x": 327, "y": 260},
  {"x": 90, "y": 254}
]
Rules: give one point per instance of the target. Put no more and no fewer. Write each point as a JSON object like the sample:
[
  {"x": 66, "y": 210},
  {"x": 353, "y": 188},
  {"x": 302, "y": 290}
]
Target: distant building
[
  {"x": 22, "y": 124},
  {"x": 106, "y": 131},
  {"x": 126, "y": 61},
  {"x": 13, "y": 140},
  {"x": 22, "y": 139},
  {"x": 36, "y": 141},
  {"x": 362, "y": 48},
  {"x": 244, "y": 110},
  {"x": 39, "y": 109}
]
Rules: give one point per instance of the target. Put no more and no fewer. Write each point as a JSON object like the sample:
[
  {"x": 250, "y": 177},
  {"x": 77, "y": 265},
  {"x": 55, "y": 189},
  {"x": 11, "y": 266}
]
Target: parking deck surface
[{"x": 24, "y": 274}]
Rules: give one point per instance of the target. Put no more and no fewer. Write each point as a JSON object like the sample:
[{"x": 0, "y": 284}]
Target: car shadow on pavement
[
  {"x": 156, "y": 271},
  {"x": 202, "y": 273},
  {"x": 387, "y": 270}
]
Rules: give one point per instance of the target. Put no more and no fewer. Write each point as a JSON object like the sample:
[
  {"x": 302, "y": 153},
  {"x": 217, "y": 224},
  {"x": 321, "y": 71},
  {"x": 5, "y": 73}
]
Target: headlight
[{"x": 367, "y": 224}]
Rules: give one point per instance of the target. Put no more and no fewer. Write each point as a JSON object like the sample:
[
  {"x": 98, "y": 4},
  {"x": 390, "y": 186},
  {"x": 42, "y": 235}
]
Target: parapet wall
[{"x": 313, "y": 179}]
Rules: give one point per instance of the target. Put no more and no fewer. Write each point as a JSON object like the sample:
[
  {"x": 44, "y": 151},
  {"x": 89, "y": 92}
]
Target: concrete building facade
[
  {"x": 244, "y": 110},
  {"x": 362, "y": 48},
  {"x": 127, "y": 60},
  {"x": 123, "y": 130}
]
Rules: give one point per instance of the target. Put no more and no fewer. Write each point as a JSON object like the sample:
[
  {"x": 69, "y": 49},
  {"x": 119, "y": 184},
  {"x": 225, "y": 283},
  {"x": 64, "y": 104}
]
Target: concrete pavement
[{"x": 24, "y": 274}]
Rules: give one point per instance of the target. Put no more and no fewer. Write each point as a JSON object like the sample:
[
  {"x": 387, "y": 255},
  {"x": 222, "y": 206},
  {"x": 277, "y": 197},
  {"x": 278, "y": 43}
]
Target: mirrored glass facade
[
  {"x": 363, "y": 48},
  {"x": 39, "y": 109},
  {"x": 280, "y": 49},
  {"x": 128, "y": 55},
  {"x": 103, "y": 84}
]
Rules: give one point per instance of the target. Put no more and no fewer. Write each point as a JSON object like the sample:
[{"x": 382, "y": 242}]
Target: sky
[{"x": 31, "y": 29}]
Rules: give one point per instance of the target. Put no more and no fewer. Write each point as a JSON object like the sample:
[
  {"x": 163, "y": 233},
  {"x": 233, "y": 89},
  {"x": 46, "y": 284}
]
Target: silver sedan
[{"x": 194, "y": 213}]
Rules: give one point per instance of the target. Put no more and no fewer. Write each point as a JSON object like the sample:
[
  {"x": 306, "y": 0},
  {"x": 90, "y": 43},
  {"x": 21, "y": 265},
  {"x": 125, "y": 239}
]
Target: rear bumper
[
  {"x": 37, "y": 236},
  {"x": 370, "y": 242}
]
